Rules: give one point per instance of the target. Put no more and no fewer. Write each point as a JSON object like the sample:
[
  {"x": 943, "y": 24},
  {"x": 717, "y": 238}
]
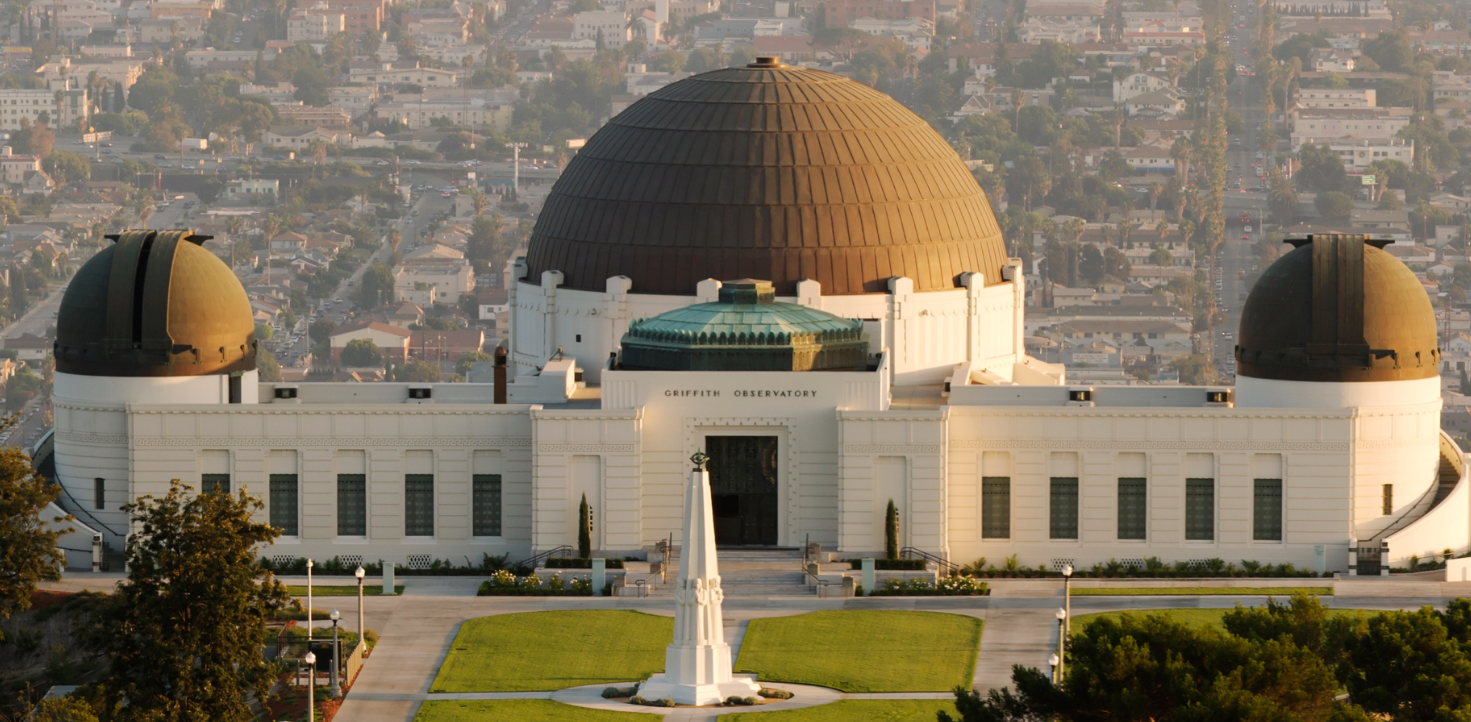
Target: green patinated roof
[{"x": 745, "y": 330}]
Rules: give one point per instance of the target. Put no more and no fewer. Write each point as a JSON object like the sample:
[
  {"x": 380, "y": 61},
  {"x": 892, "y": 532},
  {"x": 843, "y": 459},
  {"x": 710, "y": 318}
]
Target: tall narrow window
[
  {"x": 419, "y": 505},
  {"x": 352, "y": 505},
  {"x": 1132, "y": 510},
  {"x": 995, "y": 507},
  {"x": 284, "y": 504},
  {"x": 1266, "y": 510},
  {"x": 235, "y": 387},
  {"x": 1200, "y": 509},
  {"x": 485, "y": 503},
  {"x": 99, "y": 487},
  {"x": 214, "y": 482},
  {"x": 1064, "y": 516},
  {"x": 1388, "y": 499}
]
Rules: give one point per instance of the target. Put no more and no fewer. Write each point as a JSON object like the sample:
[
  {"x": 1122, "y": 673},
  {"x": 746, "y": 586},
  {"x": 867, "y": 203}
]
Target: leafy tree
[
  {"x": 321, "y": 329},
  {"x": 312, "y": 84},
  {"x": 1465, "y": 388},
  {"x": 1410, "y": 665},
  {"x": 1090, "y": 264},
  {"x": 1281, "y": 197},
  {"x": 1322, "y": 168},
  {"x": 1391, "y": 50},
  {"x": 66, "y": 167},
  {"x": 264, "y": 332},
  {"x": 361, "y": 352},
  {"x": 375, "y": 287},
  {"x": 1153, "y": 667},
  {"x": 462, "y": 366},
  {"x": 1334, "y": 206},
  {"x": 266, "y": 365},
  {"x": 154, "y": 89},
  {"x": 183, "y": 632},
  {"x": 62, "y": 709},
  {"x": 422, "y": 372},
  {"x": 672, "y": 61},
  {"x": 33, "y": 139},
  {"x": 27, "y": 541}
]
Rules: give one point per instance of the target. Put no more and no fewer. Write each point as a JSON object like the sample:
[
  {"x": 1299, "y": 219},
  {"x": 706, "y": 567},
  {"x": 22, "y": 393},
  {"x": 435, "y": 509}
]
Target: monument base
[{"x": 699, "y": 695}]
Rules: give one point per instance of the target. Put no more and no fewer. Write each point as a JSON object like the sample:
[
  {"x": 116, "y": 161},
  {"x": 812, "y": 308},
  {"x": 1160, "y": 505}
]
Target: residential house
[{"x": 393, "y": 341}]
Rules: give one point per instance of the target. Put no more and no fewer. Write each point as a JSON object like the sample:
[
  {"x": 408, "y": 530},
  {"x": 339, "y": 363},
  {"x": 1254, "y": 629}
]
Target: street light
[
  {"x": 1062, "y": 616},
  {"x": 311, "y": 686},
  {"x": 1067, "y": 597},
  {"x": 1056, "y": 662},
  {"x": 360, "y": 573},
  {"x": 336, "y": 650},
  {"x": 309, "y": 563}
]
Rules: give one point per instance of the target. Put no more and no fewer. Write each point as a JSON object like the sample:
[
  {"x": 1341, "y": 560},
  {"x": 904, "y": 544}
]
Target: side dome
[
  {"x": 768, "y": 172},
  {"x": 1338, "y": 308},
  {"x": 155, "y": 304}
]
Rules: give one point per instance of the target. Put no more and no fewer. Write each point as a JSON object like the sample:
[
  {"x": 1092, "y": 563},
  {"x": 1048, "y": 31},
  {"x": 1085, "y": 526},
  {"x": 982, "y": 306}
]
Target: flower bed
[
  {"x": 1151, "y": 568},
  {"x": 505, "y": 584},
  {"x": 956, "y": 586},
  {"x": 892, "y": 565}
]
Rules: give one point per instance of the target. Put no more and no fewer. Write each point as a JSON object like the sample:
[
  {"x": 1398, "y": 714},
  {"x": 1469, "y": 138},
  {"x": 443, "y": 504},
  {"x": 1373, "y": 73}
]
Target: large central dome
[{"x": 766, "y": 172}]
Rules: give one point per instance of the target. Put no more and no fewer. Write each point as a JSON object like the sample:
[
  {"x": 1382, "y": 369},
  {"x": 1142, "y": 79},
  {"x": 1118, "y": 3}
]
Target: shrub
[
  {"x": 736, "y": 701},
  {"x": 555, "y": 583},
  {"x": 891, "y": 531},
  {"x": 616, "y": 692},
  {"x": 666, "y": 702},
  {"x": 892, "y": 565},
  {"x": 580, "y": 563},
  {"x": 774, "y": 693},
  {"x": 637, "y": 700}
]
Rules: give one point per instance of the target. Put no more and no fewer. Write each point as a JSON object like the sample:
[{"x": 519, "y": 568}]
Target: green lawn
[
  {"x": 514, "y": 710},
  {"x": 1192, "y": 617},
  {"x": 339, "y": 590},
  {"x": 864, "y": 651},
  {"x": 854, "y": 710},
  {"x": 1199, "y": 591},
  {"x": 538, "y": 651}
]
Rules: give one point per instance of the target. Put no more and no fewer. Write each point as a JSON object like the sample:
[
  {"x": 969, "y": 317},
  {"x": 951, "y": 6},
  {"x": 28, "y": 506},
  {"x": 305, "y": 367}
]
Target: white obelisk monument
[{"x": 697, "y": 664}]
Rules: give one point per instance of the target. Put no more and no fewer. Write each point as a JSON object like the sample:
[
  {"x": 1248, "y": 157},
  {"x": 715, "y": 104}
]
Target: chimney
[
  {"x": 500, "y": 374},
  {"x": 4, "y": 151}
]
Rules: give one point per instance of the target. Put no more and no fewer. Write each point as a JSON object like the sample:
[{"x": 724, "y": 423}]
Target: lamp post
[
  {"x": 1067, "y": 596},
  {"x": 1056, "y": 662},
  {"x": 1061, "y": 639},
  {"x": 336, "y": 652},
  {"x": 311, "y": 686},
  {"x": 360, "y": 573},
  {"x": 309, "y": 563}
]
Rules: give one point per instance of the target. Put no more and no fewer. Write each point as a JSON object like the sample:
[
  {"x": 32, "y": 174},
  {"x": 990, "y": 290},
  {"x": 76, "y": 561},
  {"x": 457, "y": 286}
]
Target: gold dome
[
  {"x": 769, "y": 172},
  {"x": 1338, "y": 308},
  {"x": 155, "y": 303}
]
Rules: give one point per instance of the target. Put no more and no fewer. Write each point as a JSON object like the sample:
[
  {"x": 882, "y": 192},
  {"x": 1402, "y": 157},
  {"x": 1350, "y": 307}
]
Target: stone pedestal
[{"x": 697, "y": 664}]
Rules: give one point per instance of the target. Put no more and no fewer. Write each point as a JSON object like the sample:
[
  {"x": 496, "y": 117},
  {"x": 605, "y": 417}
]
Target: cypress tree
[
  {"x": 584, "y": 530},
  {"x": 891, "y": 532}
]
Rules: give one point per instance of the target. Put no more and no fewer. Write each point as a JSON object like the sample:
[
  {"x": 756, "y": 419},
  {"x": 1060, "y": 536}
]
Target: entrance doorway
[{"x": 743, "y": 489}]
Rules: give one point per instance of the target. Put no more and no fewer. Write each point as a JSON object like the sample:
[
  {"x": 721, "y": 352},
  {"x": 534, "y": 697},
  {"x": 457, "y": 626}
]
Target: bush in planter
[
  {"x": 775, "y": 693},
  {"x": 581, "y": 563},
  {"x": 637, "y": 700},
  {"x": 892, "y": 565}
]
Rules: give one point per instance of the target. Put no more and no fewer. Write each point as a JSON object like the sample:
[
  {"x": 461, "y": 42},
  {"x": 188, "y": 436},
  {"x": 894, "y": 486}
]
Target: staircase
[
  {"x": 1449, "y": 473},
  {"x": 752, "y": 573}
]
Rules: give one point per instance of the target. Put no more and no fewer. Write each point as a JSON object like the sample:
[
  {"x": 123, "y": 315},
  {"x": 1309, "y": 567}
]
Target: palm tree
[
  {"x": 1180, "y": 153},
  {"x": 234, "y": 224},
  {"x": 1074, "y": 228},
  {"x": 1154, "y": 190},
  {"x": 1017, "y": 101}
]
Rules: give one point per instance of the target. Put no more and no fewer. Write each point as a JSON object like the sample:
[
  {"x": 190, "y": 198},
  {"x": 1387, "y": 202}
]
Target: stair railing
[
  {"x": 531, "y": 562},
  {"x": 946, "y": 567}
]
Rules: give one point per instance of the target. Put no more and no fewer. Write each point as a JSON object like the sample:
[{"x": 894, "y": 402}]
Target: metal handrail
[
  {"x": 643, "y": 590},
  {"x": 539, "y": 558},
  {"x": 950, "y": 568}
]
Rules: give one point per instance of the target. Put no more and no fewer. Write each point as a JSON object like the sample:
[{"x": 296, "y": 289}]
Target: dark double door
[{"x": 743, "y": 489}]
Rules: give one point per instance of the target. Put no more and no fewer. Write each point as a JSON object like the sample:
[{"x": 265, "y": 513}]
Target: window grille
[
  {"x": 1064, "y": 508},
  {"x": 419, "y": 505},
  {"x": 995, "y": 507}
]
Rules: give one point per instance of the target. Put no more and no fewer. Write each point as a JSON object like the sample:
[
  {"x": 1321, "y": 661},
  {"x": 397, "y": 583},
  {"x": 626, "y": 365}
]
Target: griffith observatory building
[{"x": 793, "y": 273}]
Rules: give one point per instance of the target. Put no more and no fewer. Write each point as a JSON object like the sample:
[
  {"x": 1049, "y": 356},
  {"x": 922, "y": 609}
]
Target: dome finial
[{"x": 767, "y": 61}]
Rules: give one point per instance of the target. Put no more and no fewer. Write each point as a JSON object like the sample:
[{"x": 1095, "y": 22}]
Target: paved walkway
[{"x": 417, "y": 628}]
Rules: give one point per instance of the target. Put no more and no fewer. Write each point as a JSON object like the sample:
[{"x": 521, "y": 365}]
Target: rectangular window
[
  {"x": 1266, "y": 510},
  {"x": 1064, "y": 508},
  {"x": 214, "y": 482},
  {"x": 1132, "y": 512},
  {"x": 352, "y": 505},
  {"x": 1388, "y": 499},
  {"x": 284, "y": 503},
  {"x": 995, "y": 507},
  {"x": 418, "y": 505},
  {"x": 1200, "y": 509},
  {"x": 98, "y": 487},
  {"x": 485, "y": 505}
]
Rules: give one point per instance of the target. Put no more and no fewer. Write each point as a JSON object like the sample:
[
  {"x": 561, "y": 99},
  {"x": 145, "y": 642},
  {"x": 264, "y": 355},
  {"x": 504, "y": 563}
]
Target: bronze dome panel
[
  {"x": 155, "y": 303},
  {"x": 1337, "y": 308},
  {"x": 766, "y": 172}
]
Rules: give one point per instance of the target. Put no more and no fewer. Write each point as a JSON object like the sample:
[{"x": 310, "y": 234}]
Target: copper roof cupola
[
  {"x": 155, "y": 303},
  {"x": 1338, "y": 308},
  {"x": 766, "y": 171}
]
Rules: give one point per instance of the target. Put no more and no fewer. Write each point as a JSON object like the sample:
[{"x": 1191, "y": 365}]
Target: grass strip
[
  {"x": 864, "y": 650},
  {"x": 1199, "y": 591},
  {"x": 540, "y": 651},
  {"x": 515, "y": 710}
]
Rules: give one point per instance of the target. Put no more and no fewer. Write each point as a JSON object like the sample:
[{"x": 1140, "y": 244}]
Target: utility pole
[{"x": 516, "y": 168}]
